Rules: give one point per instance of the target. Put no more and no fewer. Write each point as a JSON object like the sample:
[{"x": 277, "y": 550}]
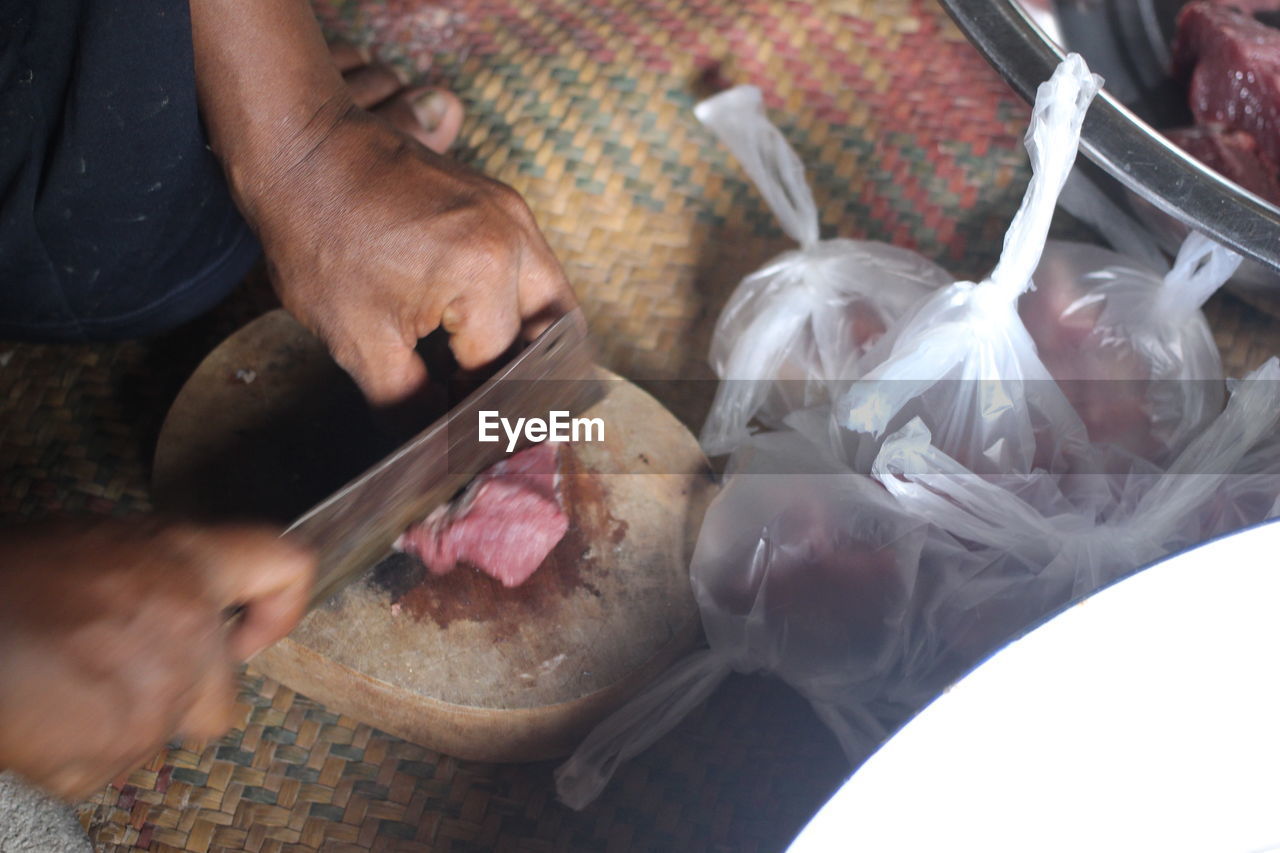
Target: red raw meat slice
[
  {"x": 1234, "y": 64},
  {"x": 1250, "y": 6},
  {"x": 1233, "y": 154},
  {"x": 505, "y": 524}
]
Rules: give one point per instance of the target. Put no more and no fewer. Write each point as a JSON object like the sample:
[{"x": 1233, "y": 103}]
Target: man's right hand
[
  {"x": 114, "y": 638},
  {"x": 372, "y": 239}
]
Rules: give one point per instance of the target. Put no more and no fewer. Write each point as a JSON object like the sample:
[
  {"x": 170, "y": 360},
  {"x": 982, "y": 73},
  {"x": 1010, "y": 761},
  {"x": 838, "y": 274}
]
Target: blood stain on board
[
  {"x": 618, "y": 533},
  {"x": 466, "y": 594}
]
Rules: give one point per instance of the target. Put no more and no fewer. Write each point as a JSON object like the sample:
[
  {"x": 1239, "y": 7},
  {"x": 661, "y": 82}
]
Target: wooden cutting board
[{"x": 268, "y": 425}]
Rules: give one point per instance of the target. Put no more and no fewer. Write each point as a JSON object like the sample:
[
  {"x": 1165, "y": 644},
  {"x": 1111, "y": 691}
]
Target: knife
[{"x": 355, "y": 526}]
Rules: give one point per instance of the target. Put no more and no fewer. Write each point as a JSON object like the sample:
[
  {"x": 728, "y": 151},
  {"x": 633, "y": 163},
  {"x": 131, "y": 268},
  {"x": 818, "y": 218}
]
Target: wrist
[
  {"x": 269, "y": 92},
  {"x": 262, "y": 165}
]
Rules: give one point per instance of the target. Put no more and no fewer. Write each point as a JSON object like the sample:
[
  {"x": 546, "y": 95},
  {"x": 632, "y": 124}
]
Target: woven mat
[{"x": 585, "y": 107}]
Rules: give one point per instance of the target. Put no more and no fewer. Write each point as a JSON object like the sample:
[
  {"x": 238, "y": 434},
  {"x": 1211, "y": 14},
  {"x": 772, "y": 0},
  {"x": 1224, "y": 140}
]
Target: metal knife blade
[{"x": 354, "y": 527}]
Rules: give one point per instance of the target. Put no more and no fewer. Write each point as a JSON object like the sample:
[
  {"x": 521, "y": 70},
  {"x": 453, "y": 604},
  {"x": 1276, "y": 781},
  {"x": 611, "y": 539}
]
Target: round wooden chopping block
[{"x": 268, "y": 425}]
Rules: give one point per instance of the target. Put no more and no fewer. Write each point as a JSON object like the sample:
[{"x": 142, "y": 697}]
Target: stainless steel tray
[{"x": 1124, "y": 40}]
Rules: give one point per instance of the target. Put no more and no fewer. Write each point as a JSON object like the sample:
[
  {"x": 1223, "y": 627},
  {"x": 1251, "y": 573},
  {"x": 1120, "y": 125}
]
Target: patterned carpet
[{"x": 585, "y": 107}]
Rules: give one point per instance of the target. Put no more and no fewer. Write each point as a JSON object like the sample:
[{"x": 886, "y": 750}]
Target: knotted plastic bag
[
  {"x": 1249, "y": 495},
  {"x": 1129, "y": 346},
  {"x": 803, "y": 567},
  {"x": 795, "y": 331},
  {"x": 963, "y": 362},
  {"x": 1046, "y": 552},
  {"x": 805, "y": 570}
]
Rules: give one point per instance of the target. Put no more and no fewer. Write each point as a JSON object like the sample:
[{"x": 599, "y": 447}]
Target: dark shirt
[{"x": 115, "y": 219}]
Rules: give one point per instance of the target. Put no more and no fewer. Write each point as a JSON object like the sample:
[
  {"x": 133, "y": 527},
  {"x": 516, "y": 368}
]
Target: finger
[
  {"x": 544, "y": 292},
  {"x": 346, "y": 55},
  {"x": 480, "y": 330},
  {"x": 245, "y": 562},
  {"x": 270, "y": 578},
  {"x": 265, "y": 620},
  {"x": 371, "y": 84},
  {"x": 387, "y": 374}
]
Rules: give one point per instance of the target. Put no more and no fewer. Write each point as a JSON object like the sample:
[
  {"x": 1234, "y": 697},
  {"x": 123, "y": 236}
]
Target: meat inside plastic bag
[
  {"x": 988, "y": 506},
  {"x": 805, "y": 570},
  {"x": 1223, "y": 479},
  {"x": 794, "y": 332},
  {"x": 1130, "y": 347},
  {"x": 870, "y": 601},
  {"x": 963, "y": 361}
]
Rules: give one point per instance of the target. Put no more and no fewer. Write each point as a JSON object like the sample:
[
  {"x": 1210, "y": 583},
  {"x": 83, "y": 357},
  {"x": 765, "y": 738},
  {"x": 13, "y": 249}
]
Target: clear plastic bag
[
  {"x": 794, "y": 332},
  {"x": 870, "y": 600},
  {"x": 1129, "y": 346},
  {"x": 963, "y": 362},
  {"x": 870, "y": 567},
  {"x": 805, "y": 570},
  {"x": 1251, "y": 494},
  {"x": 1042, "y": 558}
]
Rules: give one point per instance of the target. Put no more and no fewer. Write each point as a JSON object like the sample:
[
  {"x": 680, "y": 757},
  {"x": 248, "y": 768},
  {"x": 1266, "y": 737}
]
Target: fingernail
[
  {"x": 430, "y": 109},
  {"x": 450, "y": 318}
]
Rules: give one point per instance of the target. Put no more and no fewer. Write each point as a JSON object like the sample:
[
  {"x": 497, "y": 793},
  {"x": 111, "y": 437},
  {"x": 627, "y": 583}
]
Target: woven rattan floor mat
[{"x": 585, "y": 107}]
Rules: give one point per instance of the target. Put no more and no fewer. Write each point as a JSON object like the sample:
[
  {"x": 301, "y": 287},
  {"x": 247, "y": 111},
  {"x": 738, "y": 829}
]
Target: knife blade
[{"x": 356, "y": 525}]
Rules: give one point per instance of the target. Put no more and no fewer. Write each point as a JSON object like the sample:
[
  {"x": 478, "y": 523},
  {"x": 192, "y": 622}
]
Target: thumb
[{"x": 268, "y": 577}]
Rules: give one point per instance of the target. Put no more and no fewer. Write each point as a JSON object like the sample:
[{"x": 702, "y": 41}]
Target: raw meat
[
  {"x": 505, "y": 524},
  {"x": 1100, "y": 373},
  {"x": 826, "y": 591},
  {"x": 1128, "y": 346},
  {"x": 1233, "y": 61},
  {"x": 1232, "y": 154},
  {"x": 1251, "y": 7}
]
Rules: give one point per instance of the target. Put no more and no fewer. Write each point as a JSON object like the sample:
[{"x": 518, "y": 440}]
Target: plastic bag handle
[
  {"x": 1201, "y": 268},
  {"x": 1252, "y": 413},
  {"x": 637, "y": 725},
  {"x": 933, "y": 487},
  {"x": 1052, "y": 140},
  {"x": 738, "y": 119}
]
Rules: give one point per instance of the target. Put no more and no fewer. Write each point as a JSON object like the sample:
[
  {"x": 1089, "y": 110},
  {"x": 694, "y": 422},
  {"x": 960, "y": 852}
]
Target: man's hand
[
  {"x": 373, "y": 240},
  {"x": 114, "y": 638}
]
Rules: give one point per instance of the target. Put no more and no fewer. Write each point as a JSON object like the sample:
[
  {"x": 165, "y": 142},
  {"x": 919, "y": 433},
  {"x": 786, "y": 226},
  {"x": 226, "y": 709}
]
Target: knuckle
[
  {"x": 488, "y": 242},
  {"x": 488, "y": 254},
  {"x": 511, "y": 203}
]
